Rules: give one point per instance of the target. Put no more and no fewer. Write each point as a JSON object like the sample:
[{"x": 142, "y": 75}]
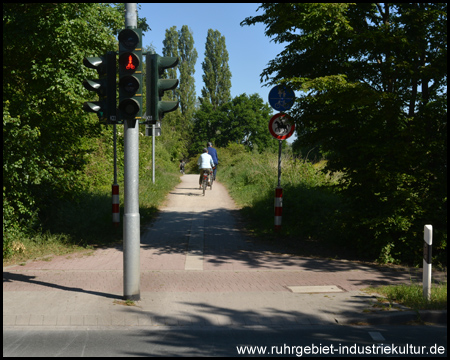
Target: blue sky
[{"x": 248, "y": 48}]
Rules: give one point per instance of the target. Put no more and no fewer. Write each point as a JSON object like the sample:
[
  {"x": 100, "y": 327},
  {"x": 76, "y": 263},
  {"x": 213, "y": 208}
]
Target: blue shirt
[{"x": 213, "y": 153}]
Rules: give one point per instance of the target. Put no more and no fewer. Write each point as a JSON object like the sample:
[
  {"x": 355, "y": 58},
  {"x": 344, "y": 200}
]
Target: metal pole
[
  {"x": 131, "y": 217},
  {"x": 279, "y": 163},
  {"x": 153, "y": 152},
  {"x": 115, "y": 153},
  {"x": 115, "y": 186},
  {"x": 278, "y": 207},
  {"x": 278, "y": 193}
]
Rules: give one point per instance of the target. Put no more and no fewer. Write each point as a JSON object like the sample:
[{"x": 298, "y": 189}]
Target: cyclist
[
  {"x": 213, "y": 153},
  {"x": 205, "y": 164},
  {"x": 182, "y": 165}
]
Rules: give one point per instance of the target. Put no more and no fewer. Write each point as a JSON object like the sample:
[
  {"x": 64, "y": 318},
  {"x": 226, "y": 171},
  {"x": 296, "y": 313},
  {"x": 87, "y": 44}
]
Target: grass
[
  {"x": 42, "y": 246},
  {"x": 411, "y": 296},
  {"x": 124, "y": 302},
  {"x": 82, "y": 226},
  {"x": 67, "y": 227},
  {"x": 309, "y": 203}
]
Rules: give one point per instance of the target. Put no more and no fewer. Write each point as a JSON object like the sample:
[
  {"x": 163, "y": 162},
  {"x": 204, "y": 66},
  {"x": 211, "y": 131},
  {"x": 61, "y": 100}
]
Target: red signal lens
[{"x": 130, "y": 63}]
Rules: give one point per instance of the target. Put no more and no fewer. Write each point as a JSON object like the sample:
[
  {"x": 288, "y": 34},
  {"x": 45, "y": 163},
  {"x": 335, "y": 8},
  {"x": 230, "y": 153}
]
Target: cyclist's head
[
  {"x": 210, "y": 143},
  {"x": 205, "y": 150}
]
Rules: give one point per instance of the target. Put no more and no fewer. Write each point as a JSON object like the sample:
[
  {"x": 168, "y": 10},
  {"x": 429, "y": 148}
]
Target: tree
[
  {"x": 44, "y": 127},
  {"x": 170, "y": 48},
  {"x": 375, "y": 82},
  {"x": 188, "y": 58},
  {"x": 181, "y": 44},
  {"x": 216, "y": 71},
  {"x": 243, "y": 120},
  {"x": 246, "y": 123}
]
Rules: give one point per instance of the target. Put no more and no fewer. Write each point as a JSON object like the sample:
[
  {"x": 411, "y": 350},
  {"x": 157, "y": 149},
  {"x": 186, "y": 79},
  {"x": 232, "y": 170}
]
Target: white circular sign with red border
[{"x": 281, "y": 126}]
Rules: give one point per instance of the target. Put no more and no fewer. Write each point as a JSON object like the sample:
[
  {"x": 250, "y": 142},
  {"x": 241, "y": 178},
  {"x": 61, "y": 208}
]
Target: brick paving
[{"x": 79, "y": 289}]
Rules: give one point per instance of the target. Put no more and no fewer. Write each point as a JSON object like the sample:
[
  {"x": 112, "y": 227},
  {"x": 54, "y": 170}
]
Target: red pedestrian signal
[
  {"x": 130, "y": 74},
  {"x": 130, "y": 63}
]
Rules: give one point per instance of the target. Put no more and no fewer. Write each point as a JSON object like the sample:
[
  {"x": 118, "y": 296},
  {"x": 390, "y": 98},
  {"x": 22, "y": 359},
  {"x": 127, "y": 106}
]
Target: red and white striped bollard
[
  {"x": 278, "y": 207},
  {"x": 115, "y": 205}
]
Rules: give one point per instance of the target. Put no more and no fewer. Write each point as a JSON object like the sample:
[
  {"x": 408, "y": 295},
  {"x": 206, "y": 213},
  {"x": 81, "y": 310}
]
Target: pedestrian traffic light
[
  {"x": 130, "y": 74},
  {"x": 156, "y": 86},
  {"x": 104, "y": 86}
]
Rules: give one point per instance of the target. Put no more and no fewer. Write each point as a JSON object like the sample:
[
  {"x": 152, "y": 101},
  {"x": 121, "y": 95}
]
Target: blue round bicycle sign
[{"x": 281, "y": 98}]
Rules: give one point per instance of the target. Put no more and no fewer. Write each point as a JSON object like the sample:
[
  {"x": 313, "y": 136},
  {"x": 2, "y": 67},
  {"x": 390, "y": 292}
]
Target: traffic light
[
  {"x": 105, "y": 87},
  {"x": 156, "y": 86},
  {"x": 130, "y": 74}
]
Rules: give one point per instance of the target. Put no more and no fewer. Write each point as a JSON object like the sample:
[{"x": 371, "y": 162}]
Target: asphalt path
[{"x": 219, "y": 341}]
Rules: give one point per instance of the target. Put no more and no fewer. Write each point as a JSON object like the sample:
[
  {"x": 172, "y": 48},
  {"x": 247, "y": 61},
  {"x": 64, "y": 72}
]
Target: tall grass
[{"x": 309, "y": 202}]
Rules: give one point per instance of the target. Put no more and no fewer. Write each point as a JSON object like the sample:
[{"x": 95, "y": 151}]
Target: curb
[{"x": 431, "y": 317}]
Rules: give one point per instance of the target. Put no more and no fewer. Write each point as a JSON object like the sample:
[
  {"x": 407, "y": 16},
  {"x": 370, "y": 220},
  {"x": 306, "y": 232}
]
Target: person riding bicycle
[
  {"x": 182, "y": 165},
  {"x": 213, "y": 153},
  {"x": 205, "y": 164}
]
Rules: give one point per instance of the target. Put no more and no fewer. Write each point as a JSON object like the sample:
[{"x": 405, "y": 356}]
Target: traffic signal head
[
  {"x": 130, "y": 74},
  {"x": 104, "y": 86},
  {"x": 156, "y": 86}
]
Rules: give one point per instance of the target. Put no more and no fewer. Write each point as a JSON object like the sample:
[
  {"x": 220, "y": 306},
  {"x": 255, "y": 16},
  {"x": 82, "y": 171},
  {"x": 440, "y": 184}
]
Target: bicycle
[
  {"x": 205, "y": 181},
  {"x": 211, "y": 174},
  {"x": 182, "y": 165}
]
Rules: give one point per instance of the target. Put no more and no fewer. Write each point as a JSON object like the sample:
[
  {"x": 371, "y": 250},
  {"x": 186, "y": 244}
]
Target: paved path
[{"x": 197, "y": 268}]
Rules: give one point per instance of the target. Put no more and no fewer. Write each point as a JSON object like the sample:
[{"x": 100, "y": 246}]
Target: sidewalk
[{"x": 197, "y": 269}]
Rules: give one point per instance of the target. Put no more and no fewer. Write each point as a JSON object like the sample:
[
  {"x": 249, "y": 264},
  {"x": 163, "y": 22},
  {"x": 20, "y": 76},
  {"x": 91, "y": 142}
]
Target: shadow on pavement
[
  {"x": 216, "y": 330},
  {"x": 224, "y": 242},
  {"x": 11, "y": 277}
]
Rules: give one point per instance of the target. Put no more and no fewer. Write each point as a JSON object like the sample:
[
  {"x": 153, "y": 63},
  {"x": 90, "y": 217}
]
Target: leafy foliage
[
  {"x": 243, "y": 120},
  {"x": 181, "y": 44},
  {"x": 216, "y": 71},
  {"x": 44, "y": 128},
  {"x": 374, "y": 77},
  {"x": 188, "y": 58}
]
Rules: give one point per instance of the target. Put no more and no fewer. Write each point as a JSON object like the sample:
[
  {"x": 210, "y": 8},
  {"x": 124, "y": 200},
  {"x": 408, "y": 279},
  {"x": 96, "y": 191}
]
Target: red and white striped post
[
  {"x": 115, "y": 205},
  {"x": 278, "y": 207}
]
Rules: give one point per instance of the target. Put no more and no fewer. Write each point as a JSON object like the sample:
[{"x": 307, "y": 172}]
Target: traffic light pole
[
  {"x": 153, "y": 152},
  {"x": 131, "y": 217}
]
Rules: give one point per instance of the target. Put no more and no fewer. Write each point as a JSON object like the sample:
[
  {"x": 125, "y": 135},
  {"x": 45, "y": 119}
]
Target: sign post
[{"x": 281, "y": 127}]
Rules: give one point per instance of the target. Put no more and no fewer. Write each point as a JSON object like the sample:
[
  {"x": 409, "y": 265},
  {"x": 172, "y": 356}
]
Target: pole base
[{"x": 135, "y": 297}]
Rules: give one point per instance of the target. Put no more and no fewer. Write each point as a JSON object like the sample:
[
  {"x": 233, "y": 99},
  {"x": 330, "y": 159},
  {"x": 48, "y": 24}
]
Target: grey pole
[
  {"x": 279, "y": 162},
  {"x": 115, "y": 153},
  {"x": 153, "y": 152},
  {"x": 131, "y": 217}
]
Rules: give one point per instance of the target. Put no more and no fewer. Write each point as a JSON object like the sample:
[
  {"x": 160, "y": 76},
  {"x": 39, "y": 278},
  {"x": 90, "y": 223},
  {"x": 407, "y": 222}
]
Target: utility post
[
  {"x": 281, "y": 127},
  {"x": 129, "y": 110}
]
